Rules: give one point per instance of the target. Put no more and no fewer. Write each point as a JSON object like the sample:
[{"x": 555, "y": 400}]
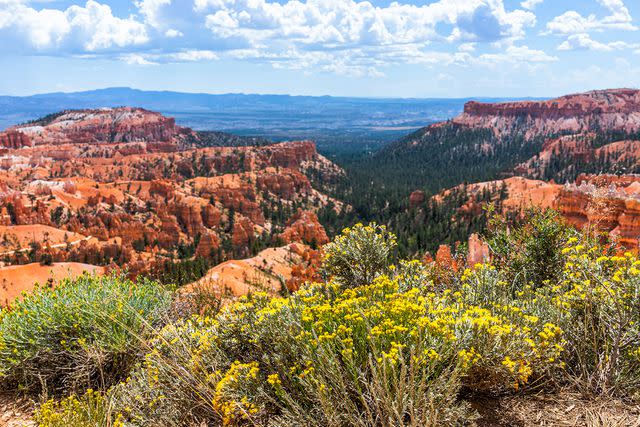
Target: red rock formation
[
  {"x": 291, "y": 154},
  {"x": 444, "y": 258},
  {"x": 287, "y": 184},
  {"x": 478, "y": 251},
  {"x": 209, "y": 243},
  {"x": 162, "y": 188},
  {"x": 617, "y": 109},
  {"x": 606, "y": 180},
  {"x": 189, "y": 216},
  {"x": 211, "y": 216},
  {"x": 417, "y": 198},
  {"x": 240, "y": 200},
  {"x": 14, "y": 139},
  {"x": 126, "y": 176},
  {"x": 105, "y": 125},
  {"x": 304, "y": 227},
  {"x": 243, "y": 233},
  {"x": 169, "y": 234}
]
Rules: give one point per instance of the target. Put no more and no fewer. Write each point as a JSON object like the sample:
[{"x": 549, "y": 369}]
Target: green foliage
[
  {"x": 84, "y": 333},
  {"x": 359, "y": 254},
  {"x": 529, "y": 253},
  {"x": 180, "y": 272},
  {"x": 326, "y": 356},
  {"x": 597, "y": 304}
]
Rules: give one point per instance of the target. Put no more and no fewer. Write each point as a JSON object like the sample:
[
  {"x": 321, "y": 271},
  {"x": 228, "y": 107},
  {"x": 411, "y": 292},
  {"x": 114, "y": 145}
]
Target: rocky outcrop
[
  {"x": 169, "y": 234},
  {"x": 478, "y": 251},
  {"x": 243, "y": 233},
  {"x": 268, "y": 271},
  {"x": 304, "y": 227},
  {"x": 211, "y": 216},
  {"x": 189, "y": 216},
  {"x": 616, "y": 109},
  {"x": 612, "y": 209},
  {"x": 142, "y": 190},
  {"x": 14, "y": 139},
  {"x": 417, "y": 198},
  {"x": 287, "y": 184},
  {"x": 208, "y": 245},
  {"x": 106, "y": 125}
]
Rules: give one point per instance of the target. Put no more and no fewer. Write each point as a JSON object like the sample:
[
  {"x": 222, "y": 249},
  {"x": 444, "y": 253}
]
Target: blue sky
[{"x": 406, "y": 48}]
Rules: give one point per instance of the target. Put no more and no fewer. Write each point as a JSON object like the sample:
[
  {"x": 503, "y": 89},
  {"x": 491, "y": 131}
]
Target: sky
[{"x": 377, "y": 48}]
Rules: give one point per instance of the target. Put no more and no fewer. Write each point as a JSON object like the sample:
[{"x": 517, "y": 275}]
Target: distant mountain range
[{"x": 334, "y": 122}]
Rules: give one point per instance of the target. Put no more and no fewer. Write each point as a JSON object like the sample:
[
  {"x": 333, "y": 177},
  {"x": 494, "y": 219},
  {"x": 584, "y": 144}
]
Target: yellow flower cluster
[
  {"x": 416, "y": 326},
  {"x": 231, "y": 385}
]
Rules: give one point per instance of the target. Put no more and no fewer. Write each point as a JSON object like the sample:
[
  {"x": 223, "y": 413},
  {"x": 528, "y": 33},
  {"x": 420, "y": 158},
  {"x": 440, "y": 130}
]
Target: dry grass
[{"x": 564, "y": 409}]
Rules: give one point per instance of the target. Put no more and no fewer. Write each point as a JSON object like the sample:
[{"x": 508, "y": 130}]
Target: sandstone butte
[
  {"x": 128, "y": 188},
  {"x": 614, "y": 109}
]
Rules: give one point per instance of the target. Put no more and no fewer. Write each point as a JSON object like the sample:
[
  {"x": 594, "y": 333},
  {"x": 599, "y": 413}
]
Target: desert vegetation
[{"x": 378, "y": 342}]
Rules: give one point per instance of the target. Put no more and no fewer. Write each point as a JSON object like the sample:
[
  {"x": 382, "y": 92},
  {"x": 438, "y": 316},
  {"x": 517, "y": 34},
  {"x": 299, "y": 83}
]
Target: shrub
[
  {"x": 359, "y": 254},
  {"x": 400, "y": 350},
  {"x": 89, "y": 410},
  {"x": 86, "y": 332},
  {"x": 367, "y": 355},
  {"x": 530, "y": 253},
  {"x": 597, "y": 303}
]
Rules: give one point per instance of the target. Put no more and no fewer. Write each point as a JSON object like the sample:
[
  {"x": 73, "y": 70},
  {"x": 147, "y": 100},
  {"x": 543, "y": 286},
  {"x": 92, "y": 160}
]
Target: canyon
[{"x": 127, "y": 189}]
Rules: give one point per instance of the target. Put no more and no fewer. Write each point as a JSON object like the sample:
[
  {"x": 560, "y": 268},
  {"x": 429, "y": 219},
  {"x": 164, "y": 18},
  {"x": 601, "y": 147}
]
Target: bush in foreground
[
  {"x": 359, "y": 254},
  {"x": 400, "y": 350},
  {"x": 370, "y": 355},
  {"x": 84, "y": 333}
]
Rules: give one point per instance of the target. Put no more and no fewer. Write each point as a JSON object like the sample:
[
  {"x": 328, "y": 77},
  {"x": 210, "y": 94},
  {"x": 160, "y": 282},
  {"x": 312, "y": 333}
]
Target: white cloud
[
  {"x": 530, "y": 4},
  {"x": 89, "y": 28},
  {"x": 151, "y": 11},
  {"x": 572, "y": 22},
  {"x": 519, "y": 54},
  {"x": 171, "y": 33},
  {"x": 351, "y": 37},
  {"x": 95, "y": 24},
  {"x": 136, "y": 59},
  {"x": 467, "y": 47},
  {"x": 359, "y": 22},
  {"x": 585, "y": 42},
  {"x": 189, "y": 55}
]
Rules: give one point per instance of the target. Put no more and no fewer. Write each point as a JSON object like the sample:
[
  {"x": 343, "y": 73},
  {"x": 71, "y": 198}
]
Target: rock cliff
[
  {"x": 606, "y": 110},
  {"x": 105, "y": 125}
]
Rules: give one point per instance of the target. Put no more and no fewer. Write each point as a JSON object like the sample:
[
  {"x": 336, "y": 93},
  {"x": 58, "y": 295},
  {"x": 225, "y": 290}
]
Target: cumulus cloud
[
  {"x": 351, "y": 37},
  {"x": 585, "y": 42},
  {"x": 359, "y": 22},
  {"x": 572, "y": 22},
  {"x": 87, "y": 28}
]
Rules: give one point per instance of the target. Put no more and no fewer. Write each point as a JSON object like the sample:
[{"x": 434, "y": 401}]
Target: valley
[
  {"x": 218, "y": 235},
  {"x": 126, "y": 189}
]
